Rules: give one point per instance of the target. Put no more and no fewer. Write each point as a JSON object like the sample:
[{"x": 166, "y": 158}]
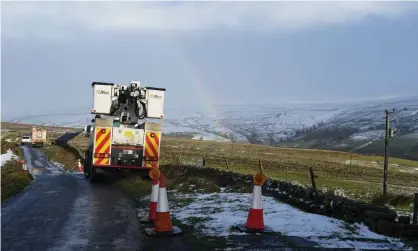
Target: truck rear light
[
  {"x": 102, "y": 155},
  {"x": 149, "y": 158}
]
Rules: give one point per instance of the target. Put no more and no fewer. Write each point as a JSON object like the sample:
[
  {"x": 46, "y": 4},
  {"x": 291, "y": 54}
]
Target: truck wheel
[
  {"x": 94, "y": 177},
  {"x": 86, "y": 167}
]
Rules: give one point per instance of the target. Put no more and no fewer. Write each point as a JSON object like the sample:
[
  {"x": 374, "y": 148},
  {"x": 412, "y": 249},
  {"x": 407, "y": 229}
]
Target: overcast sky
[{"x": 206, "y": 53}]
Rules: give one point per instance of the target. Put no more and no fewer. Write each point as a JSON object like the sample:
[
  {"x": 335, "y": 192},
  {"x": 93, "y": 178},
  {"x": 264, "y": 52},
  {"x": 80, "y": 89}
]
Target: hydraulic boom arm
[{"x": 128, "y": 103}]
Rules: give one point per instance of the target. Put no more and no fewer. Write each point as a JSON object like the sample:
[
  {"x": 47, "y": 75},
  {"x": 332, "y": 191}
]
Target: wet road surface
[{"x": 62, "y": 211}]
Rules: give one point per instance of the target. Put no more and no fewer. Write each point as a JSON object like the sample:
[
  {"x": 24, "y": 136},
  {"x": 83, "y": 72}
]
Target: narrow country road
[{"x": 62, "y": 211}]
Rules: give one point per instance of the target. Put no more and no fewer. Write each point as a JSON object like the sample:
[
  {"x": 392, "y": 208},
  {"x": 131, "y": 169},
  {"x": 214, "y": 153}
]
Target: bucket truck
[{"x": 119, "y": 137}]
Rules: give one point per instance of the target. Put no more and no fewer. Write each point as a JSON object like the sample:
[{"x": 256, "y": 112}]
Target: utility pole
[{"x": 388, "y": 134}]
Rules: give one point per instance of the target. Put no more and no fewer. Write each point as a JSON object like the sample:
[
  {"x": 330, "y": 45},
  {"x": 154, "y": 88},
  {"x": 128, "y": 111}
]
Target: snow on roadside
[
  {"x": 59, "y": 165},
  {"x": 209, "y": 136},
  {"x": 217, "y": 213},
  {"x": 9, "y": 155},
  {"x": 56, "y": 167}
]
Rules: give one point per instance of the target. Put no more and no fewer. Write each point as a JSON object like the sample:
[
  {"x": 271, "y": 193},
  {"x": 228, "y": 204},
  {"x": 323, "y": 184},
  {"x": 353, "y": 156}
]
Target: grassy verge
[
  {"x": 64, "y": 157},
  {"x": 13, "y": 178},
  {"x": 9, "y": 142}
]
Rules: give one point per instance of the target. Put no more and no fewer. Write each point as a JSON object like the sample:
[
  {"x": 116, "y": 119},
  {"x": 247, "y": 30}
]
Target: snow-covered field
[
  {"x": 216, "y": 214},
  {"x": 368, "y": 135},
  {"x": 9, "y": 155}
]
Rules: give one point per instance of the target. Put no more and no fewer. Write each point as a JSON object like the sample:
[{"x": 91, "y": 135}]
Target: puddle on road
[
  {"x": 51, "y": 192},
  {"x": 38, "y": 164},
  {"x": 53, "y": 170}
]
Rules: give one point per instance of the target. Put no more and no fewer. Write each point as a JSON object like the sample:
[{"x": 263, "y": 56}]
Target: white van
[{"x": 26, "y": 140}]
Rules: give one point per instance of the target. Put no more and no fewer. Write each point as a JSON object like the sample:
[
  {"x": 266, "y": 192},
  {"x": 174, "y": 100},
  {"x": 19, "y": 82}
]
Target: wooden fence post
[
  {"x": 204, "y": 160},
  {"x": 311, "y": 171},
  {"x": 415, "y": 216},
  {"x": 260, "y": 165},
  {"x": 226, "y": 162},
  {"x": 179, "y": 160},
  {"x": 351, "y": 158}
]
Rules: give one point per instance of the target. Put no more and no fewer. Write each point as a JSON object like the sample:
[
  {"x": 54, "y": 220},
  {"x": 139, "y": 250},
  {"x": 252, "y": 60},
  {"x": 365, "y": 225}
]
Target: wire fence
[{"x": 281, "y": 168}]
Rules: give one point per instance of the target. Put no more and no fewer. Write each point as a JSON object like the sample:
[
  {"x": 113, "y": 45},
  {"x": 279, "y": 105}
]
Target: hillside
[{"x": 353, "y": 127}]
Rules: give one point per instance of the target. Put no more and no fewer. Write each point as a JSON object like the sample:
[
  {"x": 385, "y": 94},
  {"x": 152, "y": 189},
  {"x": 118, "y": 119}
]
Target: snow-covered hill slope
[{"x": 271, "y": 124}]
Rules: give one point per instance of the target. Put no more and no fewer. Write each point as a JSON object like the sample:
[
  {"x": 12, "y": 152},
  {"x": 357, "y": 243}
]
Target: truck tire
[
  {"x": 94, "y": 176},
  {"x": 86, "y": 167}
]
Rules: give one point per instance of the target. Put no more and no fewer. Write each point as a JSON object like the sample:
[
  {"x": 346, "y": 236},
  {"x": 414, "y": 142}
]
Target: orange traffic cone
[
  {"x": 255, "y": 220},
  {"x": 154, "y": 174},
  {"x": 162, "y": 223},
  {"x": 79, "y": 168}
]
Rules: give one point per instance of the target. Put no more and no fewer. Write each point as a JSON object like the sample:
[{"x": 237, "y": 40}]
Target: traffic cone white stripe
[
  {"x": 162, "y": 205},
  {"x": 79, "y": 167},
  {"x": 154, "y": 192},
  {"x": 154, "y": 200},
  {"x": 163, "y": 221},
  {"x": 257, "y": 200}
]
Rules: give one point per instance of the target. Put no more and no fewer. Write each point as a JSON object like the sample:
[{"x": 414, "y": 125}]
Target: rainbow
[{"x": 199, "y": 88}]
